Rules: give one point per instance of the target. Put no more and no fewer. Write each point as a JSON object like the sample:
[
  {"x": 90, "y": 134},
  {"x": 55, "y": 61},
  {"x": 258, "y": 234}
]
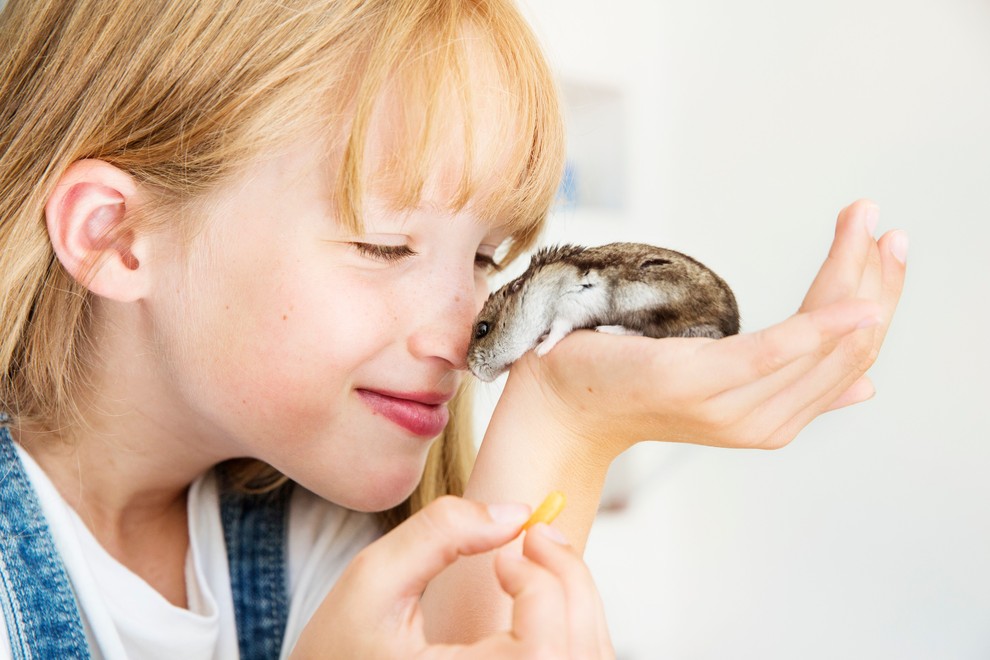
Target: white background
[{"x": 746, "y": 127}]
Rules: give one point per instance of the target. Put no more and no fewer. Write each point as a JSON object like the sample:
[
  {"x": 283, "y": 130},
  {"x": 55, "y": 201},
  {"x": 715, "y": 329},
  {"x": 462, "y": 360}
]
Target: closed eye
[
  {"x": 487, "y": 263},
  {"x": 388, "y": 253},
  {"x": 393, "y": 253}
]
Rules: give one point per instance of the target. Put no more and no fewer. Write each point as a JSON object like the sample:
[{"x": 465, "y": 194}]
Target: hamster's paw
[
  {"x": 544, "y": 346},
  {"x": 558, "y": 330}
]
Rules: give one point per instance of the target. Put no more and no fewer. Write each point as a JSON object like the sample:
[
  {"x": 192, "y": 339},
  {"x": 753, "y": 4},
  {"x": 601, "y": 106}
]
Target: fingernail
[
  {"x": 551, "y": 533},
  {"x": 508, "y": 514},
  {"x": 872, "y": 218},
  {"x": 899, "y": 246}
]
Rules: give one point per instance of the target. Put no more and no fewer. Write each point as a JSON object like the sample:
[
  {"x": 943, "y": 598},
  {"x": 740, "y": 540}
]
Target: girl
[{"x": 244, "y": 239}]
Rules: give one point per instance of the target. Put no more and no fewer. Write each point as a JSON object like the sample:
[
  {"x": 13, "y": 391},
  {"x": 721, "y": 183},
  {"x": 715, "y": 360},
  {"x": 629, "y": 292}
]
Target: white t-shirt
[{"x": 125, "y": 618}]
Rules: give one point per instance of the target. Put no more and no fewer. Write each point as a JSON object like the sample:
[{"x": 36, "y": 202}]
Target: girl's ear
[{"x": 84, "y": 217}]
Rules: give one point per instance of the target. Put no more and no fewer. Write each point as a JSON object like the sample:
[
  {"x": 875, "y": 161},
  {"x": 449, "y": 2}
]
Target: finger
[
  {"x": 786, "y": 412},
  {"x": 893, "y": 247},
  {"x": 849, "y": 390},
  {"x": 747, "y": 359},
  {"x": 855, "y": 355},
  {"x": 869, "y": 283},
  {"x": 545, "y": 546},
  {"x": 539, "y": 609},
  {"x": 840, "y": 274},
  {"x": 861, "y": 348},
  {"x": 861, "y": 390},
  {"x": 790, "y": 429},
  {"x": 884, "y": 284},
  {"x": 416, "y": 551}
]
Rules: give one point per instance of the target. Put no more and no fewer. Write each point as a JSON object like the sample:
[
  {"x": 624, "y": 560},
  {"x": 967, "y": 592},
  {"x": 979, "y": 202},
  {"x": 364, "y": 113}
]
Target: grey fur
[{"x": 629, "y": 288}]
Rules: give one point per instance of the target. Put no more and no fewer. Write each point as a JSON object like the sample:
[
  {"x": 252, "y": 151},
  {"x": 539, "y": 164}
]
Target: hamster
[{"x": 623, "y": 288}]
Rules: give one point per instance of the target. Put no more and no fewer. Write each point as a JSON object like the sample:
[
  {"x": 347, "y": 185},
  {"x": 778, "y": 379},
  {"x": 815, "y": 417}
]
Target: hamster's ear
[{"x": 84, "y": 217}]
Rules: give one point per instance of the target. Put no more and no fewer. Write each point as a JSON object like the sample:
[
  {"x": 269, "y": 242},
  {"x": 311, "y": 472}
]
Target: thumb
[{"x": 417, "y": 550}]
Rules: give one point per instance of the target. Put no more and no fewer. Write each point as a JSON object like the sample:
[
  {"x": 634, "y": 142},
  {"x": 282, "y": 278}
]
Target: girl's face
[{"x": 329, "y": 355}]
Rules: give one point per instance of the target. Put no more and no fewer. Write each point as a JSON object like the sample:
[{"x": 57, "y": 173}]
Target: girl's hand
[
  {"x": 751, "y": 390},
  {"x": 374, "y": 609}
]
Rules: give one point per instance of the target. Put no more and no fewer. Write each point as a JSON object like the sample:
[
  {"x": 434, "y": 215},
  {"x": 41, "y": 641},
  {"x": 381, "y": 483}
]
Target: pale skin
[
  {"x": 291, "y": 320},
  {"x": 585, "y": 400},
  {"x": 256, "y": 339}
]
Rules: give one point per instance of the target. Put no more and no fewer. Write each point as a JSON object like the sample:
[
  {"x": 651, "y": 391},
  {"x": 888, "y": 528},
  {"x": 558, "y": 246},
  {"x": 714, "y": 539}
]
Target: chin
[
  {"x": 372, "y": 492},
  {"x": 394, "y": 491}
]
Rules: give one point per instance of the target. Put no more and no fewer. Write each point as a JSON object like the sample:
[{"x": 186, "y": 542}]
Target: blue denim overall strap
[
  {"x": 36, "y": 597},
  {"x": 255, "y": 528}
]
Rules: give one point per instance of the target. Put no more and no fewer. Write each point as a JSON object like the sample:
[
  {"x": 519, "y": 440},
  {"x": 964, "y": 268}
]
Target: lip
[{"x": 421, "y": 413}]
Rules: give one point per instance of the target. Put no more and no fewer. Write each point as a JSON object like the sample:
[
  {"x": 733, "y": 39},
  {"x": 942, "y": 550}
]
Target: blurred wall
[{"x": 743, "y": 129}]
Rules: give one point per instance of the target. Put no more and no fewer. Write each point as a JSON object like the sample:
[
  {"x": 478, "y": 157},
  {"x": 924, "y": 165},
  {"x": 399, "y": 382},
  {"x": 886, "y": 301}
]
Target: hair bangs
[{"x": 464, "y": 115}]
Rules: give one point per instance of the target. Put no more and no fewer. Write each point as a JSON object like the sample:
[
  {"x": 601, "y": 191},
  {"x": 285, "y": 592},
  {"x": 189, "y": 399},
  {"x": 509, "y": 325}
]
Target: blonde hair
[{"x": 182, "y": 93}]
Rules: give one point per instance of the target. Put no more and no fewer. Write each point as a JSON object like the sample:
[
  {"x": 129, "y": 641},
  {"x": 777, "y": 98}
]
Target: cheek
[
  {"x": 276, "y": 345},
  {"x": 304, "y": 341}
]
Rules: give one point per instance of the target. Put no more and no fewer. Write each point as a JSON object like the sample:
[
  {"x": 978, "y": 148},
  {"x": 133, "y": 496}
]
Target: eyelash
[
  {"x": 384, "y": 252},
  {"x": 394, "y": 253},
  {"x": 488, "y": 263}
]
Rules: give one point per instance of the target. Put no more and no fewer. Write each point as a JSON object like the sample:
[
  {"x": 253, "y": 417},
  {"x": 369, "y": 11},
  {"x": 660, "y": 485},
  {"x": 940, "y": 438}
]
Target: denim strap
[
  {"x": 255, "y": 527},
  {"x": 36, "y": 596}
]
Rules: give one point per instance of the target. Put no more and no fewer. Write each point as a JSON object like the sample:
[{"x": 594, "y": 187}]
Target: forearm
[{"x": 526, "y": 453}]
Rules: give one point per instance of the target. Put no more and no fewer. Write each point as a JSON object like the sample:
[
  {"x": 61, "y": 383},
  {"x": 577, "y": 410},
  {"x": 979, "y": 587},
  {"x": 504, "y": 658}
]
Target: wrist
[
  {"x": 531, "y": 449},
  {"x": 565, "y": 410},
  {"x": 526, "y": 453}
]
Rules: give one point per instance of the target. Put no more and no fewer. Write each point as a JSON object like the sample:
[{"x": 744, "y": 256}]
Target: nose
[{"x": 445, "y": 316}]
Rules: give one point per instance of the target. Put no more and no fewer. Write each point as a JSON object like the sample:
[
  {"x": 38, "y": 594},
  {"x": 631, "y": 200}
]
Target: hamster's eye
[
  {"x": 481, "y": 330},
  {"x": 514, "y": 287}
]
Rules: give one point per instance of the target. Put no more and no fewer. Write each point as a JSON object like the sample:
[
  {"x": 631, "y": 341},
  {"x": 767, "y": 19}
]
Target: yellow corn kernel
[{"x": 548, "y": 510}]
